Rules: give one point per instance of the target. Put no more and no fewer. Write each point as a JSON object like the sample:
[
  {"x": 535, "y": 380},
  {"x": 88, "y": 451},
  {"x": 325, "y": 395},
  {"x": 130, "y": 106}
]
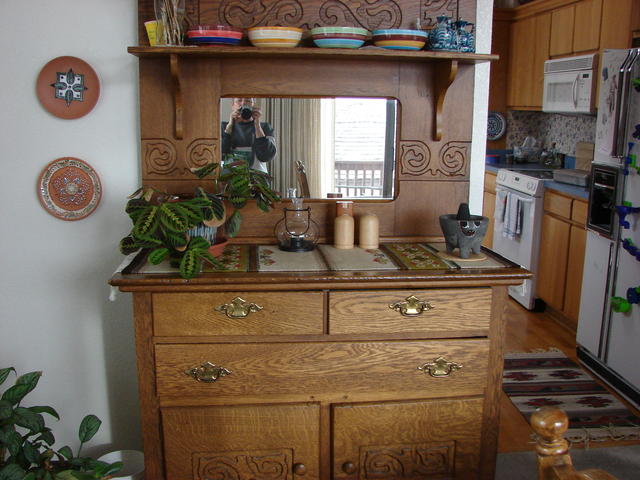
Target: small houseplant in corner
[
  {"x": 164, "y": 224},
  {"x": 26, "y": 443}
]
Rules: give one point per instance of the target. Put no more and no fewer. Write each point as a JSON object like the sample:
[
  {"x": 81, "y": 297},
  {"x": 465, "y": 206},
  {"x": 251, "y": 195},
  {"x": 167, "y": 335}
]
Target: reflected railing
[{"x": 359, "y": 179}]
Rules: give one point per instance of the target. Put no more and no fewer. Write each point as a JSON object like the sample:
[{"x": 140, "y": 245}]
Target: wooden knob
[
  {"x": 299, "y": 469},
  {"x": 550, "y": 423},
  {"x": 349, "y": 467}
]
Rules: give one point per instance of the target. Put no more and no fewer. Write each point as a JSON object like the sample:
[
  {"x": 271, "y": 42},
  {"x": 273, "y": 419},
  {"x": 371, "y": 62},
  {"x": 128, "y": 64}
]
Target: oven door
[{"x": 524, "y": 248}]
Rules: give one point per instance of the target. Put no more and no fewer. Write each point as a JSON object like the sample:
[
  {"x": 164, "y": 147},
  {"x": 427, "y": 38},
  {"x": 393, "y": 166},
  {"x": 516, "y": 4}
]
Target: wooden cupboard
[
  {"x": 562, "y": 247},
  {"x": 562, "y": 28},
  {"x": 489, "y": 206},
  {"x": 341, "y": 386}
]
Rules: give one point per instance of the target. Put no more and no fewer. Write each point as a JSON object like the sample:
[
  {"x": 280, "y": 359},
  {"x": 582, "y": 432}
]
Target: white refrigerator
[{"x": 608, "y": 335}]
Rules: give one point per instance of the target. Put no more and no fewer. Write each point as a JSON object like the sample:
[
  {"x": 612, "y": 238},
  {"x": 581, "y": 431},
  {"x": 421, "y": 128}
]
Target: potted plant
[
  {"x": 26, "y": 443},
  {"x": 164, "y": 224}
]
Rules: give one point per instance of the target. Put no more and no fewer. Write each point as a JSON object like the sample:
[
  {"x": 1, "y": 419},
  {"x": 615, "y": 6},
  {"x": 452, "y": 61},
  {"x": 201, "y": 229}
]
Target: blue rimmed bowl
[
  {"x": 400, "y": 39},
  {"x": 339, "y": 37}
]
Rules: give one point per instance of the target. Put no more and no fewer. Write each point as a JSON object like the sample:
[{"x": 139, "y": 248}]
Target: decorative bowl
[
  {"x": 274, "y": 36},
  {"x": 214, "y": 35},
  {"x": 339, "y": 37},
  {"x": 400, "y": 39}
]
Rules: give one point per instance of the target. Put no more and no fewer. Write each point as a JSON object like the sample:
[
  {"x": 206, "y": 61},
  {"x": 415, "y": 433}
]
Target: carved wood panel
[
  {"x": 369, "y": 14},
  {"x": 413, "y": 461},
  {"x": 244, "y": 465}
]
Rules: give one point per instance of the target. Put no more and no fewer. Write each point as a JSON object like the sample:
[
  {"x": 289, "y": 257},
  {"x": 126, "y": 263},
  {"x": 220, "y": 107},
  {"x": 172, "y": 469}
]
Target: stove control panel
[{"x": 520, "y": 182}]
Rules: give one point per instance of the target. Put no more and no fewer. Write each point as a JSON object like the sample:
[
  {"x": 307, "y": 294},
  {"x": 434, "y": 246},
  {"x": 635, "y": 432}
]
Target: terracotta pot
[{"x": 217, "y": 248}]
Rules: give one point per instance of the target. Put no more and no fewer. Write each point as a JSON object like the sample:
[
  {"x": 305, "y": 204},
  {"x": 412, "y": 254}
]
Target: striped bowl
[
  {"x": 400, "y": 39},
  {"x": 339, "y": 37},
  {"x": 214, "y": 35},
  {"x": 274, "y": 36}
]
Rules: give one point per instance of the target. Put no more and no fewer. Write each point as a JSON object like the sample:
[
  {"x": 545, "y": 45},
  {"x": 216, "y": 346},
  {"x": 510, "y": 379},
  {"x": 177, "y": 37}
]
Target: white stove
[{"x": 518, "y": 222}]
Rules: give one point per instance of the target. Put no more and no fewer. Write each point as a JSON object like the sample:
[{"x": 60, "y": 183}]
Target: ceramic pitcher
[
  {"x": 465, "y": 35},
  {"x": 442, "y": 36}
]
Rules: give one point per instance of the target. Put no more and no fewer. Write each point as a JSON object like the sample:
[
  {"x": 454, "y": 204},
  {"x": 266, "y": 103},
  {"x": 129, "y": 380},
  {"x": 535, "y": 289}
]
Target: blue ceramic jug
[
  {"x": 466, "y": 38},
  {"x": 442, "y": 36}
]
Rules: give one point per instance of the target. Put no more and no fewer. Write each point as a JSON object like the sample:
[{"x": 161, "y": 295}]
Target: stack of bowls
[
  {"x": 274, "y": 36},
  {"x": 339, "y": 37},
  {"x": 400, "y": 38},
  {"x": 214, "y": 35}
]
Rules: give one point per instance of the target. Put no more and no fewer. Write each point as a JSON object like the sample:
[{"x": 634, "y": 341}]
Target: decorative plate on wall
[
  {"x": 68, "y": 87},
  {"x": 69, "y": 188},
  {"x": 496, "y": 126}
]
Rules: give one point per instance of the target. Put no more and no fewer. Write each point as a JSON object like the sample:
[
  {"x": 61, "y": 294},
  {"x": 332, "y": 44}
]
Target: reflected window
[{"x": 357, "y": 138}]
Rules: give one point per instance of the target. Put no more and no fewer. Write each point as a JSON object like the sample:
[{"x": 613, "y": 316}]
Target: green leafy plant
[
  {"x": 161, "y": 222},
  {"x": 26, "y": 443}
]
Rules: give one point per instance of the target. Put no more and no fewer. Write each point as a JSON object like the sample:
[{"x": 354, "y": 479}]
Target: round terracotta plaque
[
  {"x": 68, "y": 87},
  {"x": 69, "y": 188}
]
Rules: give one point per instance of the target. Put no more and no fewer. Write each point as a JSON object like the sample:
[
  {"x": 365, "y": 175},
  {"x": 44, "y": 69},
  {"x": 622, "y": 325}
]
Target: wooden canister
[
  {"x": 369, "y": 232},
  {"x": 343, "y": 231},
  {"x": 344, "y": 206}
]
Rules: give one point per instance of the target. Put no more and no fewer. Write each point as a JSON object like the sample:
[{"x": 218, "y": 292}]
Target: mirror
[{"x": 323, "y": 147}]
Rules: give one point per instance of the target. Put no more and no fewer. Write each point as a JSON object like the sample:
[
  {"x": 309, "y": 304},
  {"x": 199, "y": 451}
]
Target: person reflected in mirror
[{"x": 244, "y": 134}]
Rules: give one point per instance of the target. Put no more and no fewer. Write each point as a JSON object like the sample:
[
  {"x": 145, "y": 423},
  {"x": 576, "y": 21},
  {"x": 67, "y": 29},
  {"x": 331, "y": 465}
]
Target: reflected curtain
[{"x": 296, "y": 124}]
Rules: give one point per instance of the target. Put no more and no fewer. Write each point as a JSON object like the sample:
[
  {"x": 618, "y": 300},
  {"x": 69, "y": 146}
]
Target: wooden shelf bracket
[
  {"x": 444, "y": 77},
  {"x": 177, "y": 94}
]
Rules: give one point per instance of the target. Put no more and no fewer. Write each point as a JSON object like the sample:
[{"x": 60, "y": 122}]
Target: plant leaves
[
  {"x": 88, "y": 428},
  {"x": 233, "y": 224},
  {"x": 47, "y": 437},
  {"x": 31, "y": 379},
  {"x": 189, "y": 265},
  {"x": 45, "y": 409},
  {"x": 147, "y": 222},
  {"x": 6, "y": 409},
  {"x": 206, "y": 170},
  {"x": 30, "y": 452},
  {"x": 199, "y": 243},
  {"x": 4, "y": 373},
  {"x": 173, "y": 219},
  {"x": 217, "y": 264},
  {"x": 16, "y": 393},
  {"x": 13, "y": 441},
  {"x": 158, "y": 255},
  {"x": 12, "y": 471},
  {"x": 66, "y": 452},
  {"x": 30, "y": 476},
  {"x": 128, "y": 245},
  {"x": 32, "y": 421},
  {"x": 112, "y": 468}
]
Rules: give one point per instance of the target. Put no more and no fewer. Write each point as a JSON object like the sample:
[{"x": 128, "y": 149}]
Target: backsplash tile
[{"x": 547, "y": 128}]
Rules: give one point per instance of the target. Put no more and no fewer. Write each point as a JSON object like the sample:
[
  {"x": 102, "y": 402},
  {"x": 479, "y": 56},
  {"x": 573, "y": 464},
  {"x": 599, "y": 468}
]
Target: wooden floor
[{"x": 527, "y": 331}]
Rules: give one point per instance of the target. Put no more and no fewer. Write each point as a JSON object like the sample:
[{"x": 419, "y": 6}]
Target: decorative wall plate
[
  {"x": 69, "y": 188},
  {"x": 68, "y": 87},
  {"x": 496, "y": 126}
]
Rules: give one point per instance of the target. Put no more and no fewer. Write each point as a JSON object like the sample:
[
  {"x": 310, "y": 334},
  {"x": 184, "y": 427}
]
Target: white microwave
[{"x": 570, "y": 84}]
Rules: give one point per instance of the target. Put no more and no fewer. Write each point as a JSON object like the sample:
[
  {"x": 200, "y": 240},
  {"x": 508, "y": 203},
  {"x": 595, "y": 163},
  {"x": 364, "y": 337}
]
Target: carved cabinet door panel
[
  {"x": 407, "y": 440},
  {"x": 243, "y": 442}
]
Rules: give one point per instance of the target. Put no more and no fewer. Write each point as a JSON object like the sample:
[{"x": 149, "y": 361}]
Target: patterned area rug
[{"x": 533, "y": 380}]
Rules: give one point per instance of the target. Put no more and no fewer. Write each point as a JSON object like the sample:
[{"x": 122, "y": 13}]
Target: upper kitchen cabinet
[
  {"x": 562, "y": 28},
  {"x": 588, "y": 14}
]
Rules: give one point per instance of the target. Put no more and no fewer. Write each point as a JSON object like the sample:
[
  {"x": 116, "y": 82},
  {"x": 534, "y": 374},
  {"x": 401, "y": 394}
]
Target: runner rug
[{"x": 533, "y": 380}]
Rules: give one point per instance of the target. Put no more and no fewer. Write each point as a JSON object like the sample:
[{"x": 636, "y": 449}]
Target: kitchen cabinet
[
  {"x": 586, "y": 31},
  {"x": 561, "y": 260},
  {"x": 562, "y": 25},
  {"x": 489, "y": 206},
  {"x": 529, "y": 50}
]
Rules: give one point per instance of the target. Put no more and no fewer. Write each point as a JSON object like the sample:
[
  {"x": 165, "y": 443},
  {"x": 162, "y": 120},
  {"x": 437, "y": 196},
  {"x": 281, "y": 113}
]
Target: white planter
[{"x": 133, "y": 463}]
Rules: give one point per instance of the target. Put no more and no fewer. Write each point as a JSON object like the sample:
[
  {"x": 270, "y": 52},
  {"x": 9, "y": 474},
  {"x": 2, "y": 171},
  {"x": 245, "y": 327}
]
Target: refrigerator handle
[{"x": 624, "y": 80}]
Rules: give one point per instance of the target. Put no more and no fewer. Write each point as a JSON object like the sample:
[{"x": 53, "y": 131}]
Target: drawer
[
  {"x": 317, "y": 368},
  {"x": 557, "y": 204},
  {"x": 490, "y": 182},
  {"x": 371, "y": 312},
  {"x": 579, "y": 212},
  {"x": 275, "y": 313}
]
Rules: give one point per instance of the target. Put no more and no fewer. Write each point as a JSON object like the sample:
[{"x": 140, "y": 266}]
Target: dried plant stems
[{"x": 170, "y": 15}]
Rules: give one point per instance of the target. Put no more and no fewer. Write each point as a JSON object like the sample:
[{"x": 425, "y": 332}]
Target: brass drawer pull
[
  {"x": 238, "y": 308},
  {"x": 411, "y": 306},
  {"x": 207, "y": 372},
  {"x": 349, "y": 467},
  {"x": 299, "y": 469},
  {"x": 440, "y": 367}
]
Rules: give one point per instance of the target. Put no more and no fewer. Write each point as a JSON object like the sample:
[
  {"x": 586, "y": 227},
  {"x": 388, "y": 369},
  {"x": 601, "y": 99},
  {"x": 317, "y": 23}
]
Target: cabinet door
[
  {"x": 575, "y": 265},
  {"x": 243, "y": 442},
  {"x": 562, "y": 21},
  {"x": 408, "y": 440},
  {"x": 552, "y": 265},
  {"x": 586, "y": 32},
  {"x": 529, "y": 50},
  {"x": 616, "y": 24},
  {"x": 488, "y": 210}
]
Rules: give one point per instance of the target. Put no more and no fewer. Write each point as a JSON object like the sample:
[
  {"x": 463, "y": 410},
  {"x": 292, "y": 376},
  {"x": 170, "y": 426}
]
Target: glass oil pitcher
[{"x": 296, "y": 231}]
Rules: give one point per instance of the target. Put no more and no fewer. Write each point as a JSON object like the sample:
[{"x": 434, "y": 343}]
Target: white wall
[
  {"x": 484, "y": 20},
  {"x": 55, "y": 315}
]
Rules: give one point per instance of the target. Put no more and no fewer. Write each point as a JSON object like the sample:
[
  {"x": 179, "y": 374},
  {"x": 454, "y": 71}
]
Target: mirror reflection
[{"x": 323, "y": 147}]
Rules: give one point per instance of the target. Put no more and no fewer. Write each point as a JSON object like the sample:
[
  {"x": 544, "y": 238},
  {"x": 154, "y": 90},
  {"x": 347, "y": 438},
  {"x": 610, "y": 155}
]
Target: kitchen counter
[{"x": 571, "y": 190}]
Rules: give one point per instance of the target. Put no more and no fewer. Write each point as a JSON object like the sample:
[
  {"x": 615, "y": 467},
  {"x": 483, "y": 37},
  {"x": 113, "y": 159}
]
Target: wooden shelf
[
  {"x": 444, "y": 75},
  {"x": 365, "y": 53}
]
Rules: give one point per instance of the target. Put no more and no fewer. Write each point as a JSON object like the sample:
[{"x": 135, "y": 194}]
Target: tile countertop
[{"x": 571, "y": 190}]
